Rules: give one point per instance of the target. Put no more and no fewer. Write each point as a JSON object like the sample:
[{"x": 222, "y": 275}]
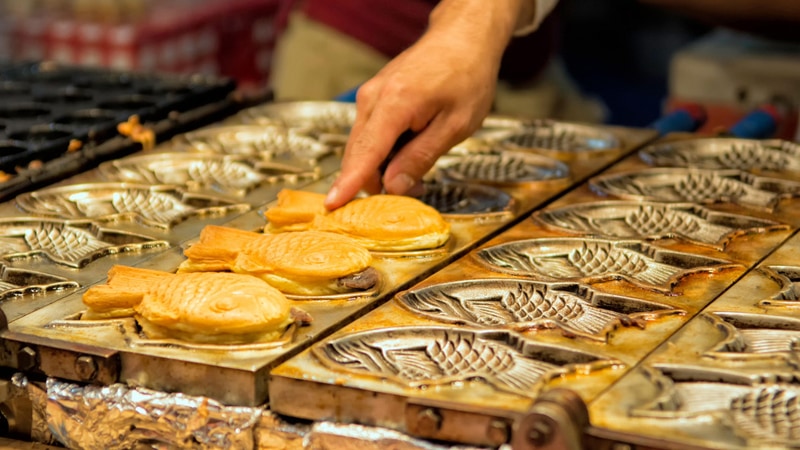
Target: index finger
[{"x": 371, "y": 139}]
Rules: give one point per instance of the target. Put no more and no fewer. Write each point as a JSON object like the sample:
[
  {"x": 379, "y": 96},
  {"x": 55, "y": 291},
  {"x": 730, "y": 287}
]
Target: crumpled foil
[
  {"x": 120, "y": 417},
  {"x": 329, "y": 435},
  {"x": 37, "y": 396}
]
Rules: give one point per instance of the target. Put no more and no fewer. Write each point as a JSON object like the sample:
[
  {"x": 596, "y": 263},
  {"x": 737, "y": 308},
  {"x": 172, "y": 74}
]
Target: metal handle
[
  {"x": 556, "y": 421},
  {"x": 759, "y": 124},
  {"x": 685, "y": 119}
]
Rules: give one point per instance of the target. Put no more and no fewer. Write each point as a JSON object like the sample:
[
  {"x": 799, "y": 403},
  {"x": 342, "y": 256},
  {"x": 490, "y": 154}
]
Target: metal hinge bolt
[
  {"x": 26, "y": 358},
  {"x": 499, "y": 432},
  {"x": 85, "y": 368},
  {"x": 429, "y": 421},
  {"x": 540, "y": 433}
]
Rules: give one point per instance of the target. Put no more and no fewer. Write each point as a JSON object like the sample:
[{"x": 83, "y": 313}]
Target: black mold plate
[{"x": 44, "y": 106}]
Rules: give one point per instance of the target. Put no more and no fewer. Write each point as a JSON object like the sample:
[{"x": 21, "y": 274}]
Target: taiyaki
[
  {"x": 297, "y": 263},
  {"x": 378, "y": 222},
  {"x": 218, "y": 308}
]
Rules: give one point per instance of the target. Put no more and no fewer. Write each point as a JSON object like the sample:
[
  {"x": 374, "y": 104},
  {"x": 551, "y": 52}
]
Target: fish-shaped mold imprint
[
  {"x": 418, "y": 357},
  {"x": 702, "y": 186},
  {"x": 755, "y": 337},
  {"x": 725, "y": 153},
  {"x": 649, "y": 220},
  {"x": 225, "y": 174},
  {"x": 598, "y": 260},
  {"x": 787, "y": 280},
  {"x": 326, "y": 116},
  {"x": 23, "y": 283},
  {"x": 524, "y": 305},
  {"x": 154, "y": 206},
  {"x": 274, "y": 144},
  {"x": 70, "y": 243},
  {"x": 761, "y": 413},
  {"x": 501, "y": 168},
  {"x": 543, "y": 134},
  {"x": 327, "y": 121},
  {"x": 468, "y": 201}
]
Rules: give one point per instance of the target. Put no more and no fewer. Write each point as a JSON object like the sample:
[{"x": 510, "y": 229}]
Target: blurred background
[{"x": 640, "y": 61}]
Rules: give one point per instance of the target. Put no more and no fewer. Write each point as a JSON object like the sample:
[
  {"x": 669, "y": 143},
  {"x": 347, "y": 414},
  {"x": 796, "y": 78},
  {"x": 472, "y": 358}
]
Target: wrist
[{"x": 485, "y": 23}]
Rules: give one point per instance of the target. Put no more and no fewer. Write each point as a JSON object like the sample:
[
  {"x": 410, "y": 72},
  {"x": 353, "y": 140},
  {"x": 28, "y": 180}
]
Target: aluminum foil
[
  {"x": 119, "y": 417},
  {"x": 39, "y": 431},
  {"x": 333, "y": 436}
]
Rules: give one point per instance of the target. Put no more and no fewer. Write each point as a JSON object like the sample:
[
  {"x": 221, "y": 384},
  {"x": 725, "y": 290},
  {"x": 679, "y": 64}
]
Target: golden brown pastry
[
  {"x": 218, "y": 308},
  {"x": 107, "y": 302},
  {"x": 378, "y": 222},
  {"x": 298, "y": 263}
]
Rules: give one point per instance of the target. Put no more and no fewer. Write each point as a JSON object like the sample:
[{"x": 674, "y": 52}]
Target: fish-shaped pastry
[
  {"x": 216, "y": 308},
  {"x": 378, "y": 222},
  {"x": 297, "y": 263}
]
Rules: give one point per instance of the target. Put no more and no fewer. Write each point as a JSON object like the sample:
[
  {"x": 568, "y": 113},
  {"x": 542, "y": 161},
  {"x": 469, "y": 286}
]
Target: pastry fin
[
  {"x": 295, "y": 209},
  {"x": 219, "y": 245}
]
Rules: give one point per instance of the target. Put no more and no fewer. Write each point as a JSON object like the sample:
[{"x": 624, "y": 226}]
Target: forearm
[
  {"x": 480, "y": 24},
  {"x": 485, "y": 27}
]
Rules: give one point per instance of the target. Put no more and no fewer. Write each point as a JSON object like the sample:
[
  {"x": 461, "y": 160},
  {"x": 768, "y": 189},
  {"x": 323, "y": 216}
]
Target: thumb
[{"x": 404, "y": 173}]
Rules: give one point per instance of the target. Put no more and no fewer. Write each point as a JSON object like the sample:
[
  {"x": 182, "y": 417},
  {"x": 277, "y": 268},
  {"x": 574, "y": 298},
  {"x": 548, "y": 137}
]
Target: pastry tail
[
  {"x": 219, "y": 244},
  {"x": 125, "y": 288}
]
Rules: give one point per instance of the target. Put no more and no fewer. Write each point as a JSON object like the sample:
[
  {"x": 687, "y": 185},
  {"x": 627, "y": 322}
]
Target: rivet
[
  {"x": 498, "y": 432},
  {"x": 540, "y": 433},
  {"x": 429, "y": 421},
  {"x": 85, "y": 368},
  {"x": 26, "y": 358}
]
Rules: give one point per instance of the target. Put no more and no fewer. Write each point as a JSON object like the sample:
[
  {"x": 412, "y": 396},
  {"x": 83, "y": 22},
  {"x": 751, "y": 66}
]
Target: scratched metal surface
[
  {"x": 174, "y": 214},
  {"x": 728, "y": 379},
  {"x": 605, "y": 300}
]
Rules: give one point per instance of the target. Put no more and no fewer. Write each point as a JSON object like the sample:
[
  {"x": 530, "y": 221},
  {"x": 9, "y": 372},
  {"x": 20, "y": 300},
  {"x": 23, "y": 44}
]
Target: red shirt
[{"x": 391, "y": 26}]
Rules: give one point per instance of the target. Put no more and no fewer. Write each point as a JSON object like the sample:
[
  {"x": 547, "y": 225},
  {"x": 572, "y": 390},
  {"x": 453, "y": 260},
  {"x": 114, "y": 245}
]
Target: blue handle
[
  {"x": 759, "y": 124},
  {"x": 686, "y": 119},
  {"x": 349, "y": 96}
]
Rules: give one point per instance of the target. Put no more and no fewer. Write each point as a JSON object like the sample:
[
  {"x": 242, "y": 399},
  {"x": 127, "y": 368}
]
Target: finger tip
[
  {"x": 418, "y": 190},
  {"x": 332, "y": 200},
  {"x": 400, "y": 184}
]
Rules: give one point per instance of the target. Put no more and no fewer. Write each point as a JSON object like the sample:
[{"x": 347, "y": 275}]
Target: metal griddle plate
[
  {"x": 565, "y": 141},
  {"x": 317, "y": 119},
  {"x": 48, "y": 339},
  {"x": 758, "y": 156},
  {"x": 726, "y": 380},
  {"x": 232, "y": 374},
  {"x": 474, "y": 345},
  {"x": 531, "y": 176},
  {"x": 245, "y": 163},
  {"x": 756, "y": 192},
  {"x": 462, "y": 355}
]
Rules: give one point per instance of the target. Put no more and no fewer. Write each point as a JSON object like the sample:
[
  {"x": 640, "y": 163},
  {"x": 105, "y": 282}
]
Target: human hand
[{"x": 440, "y": 89}]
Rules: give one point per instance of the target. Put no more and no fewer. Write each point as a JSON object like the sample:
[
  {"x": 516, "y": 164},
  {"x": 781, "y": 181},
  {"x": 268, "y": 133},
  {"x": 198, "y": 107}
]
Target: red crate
[{"x": 233, "y": 38}]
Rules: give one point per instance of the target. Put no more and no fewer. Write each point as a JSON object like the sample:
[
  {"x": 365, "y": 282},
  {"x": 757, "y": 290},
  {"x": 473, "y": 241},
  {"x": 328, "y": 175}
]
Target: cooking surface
[
  {"x": 165, "y": 197},
  {"x": 596, "y": 280}
]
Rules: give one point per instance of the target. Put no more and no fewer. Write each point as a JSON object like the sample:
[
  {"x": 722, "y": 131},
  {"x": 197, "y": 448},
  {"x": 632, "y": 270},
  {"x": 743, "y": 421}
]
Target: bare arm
[{"x": 441, "y": 88}]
